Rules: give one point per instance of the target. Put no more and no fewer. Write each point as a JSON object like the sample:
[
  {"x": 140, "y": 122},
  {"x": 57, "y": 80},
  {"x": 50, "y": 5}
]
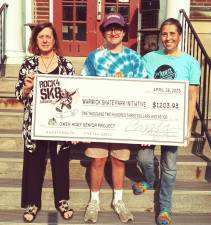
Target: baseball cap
[{"x": 112, "y": 18}]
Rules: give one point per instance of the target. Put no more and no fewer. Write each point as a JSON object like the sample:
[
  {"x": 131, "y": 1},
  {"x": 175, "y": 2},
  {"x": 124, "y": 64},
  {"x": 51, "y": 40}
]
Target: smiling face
[
  {"x": 170, "y": 38},
  {"x": 45, "y": 41},
  {"x": 114, "y": 35}
]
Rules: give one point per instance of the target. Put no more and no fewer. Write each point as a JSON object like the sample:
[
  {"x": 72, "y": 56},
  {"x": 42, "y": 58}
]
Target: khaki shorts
[{"x": 101, "y": 150}]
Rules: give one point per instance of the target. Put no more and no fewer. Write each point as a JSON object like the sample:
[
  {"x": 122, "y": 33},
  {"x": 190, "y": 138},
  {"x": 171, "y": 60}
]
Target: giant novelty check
[{"x": 111, "y": 110}]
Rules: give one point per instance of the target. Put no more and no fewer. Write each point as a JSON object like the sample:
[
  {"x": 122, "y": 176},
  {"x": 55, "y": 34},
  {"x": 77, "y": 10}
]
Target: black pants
[{"x": 34, "y": 165}]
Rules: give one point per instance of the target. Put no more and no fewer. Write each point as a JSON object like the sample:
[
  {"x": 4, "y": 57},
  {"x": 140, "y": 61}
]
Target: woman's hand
[
  {"x": 28, "y": 84},
  {"x": 29, "y": 81}
]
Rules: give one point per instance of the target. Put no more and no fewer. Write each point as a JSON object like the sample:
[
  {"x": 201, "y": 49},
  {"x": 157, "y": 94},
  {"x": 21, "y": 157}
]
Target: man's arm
[{"x": 193, "y": 90}]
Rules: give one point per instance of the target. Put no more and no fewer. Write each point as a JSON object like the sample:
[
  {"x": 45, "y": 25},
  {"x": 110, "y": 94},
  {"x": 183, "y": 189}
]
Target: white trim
[
  {"x": 15, "y": 32},
  {"x": 162, "y": 12},
  {"x": 51, "y": 11},
  {"x": 173, "y": 8},
  {"x": 29, "y": 9},
  {"x": 138, "y": 33}
]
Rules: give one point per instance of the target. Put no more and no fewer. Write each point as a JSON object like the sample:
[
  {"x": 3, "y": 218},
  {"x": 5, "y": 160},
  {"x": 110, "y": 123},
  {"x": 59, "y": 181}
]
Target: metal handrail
[
  {"x": 192, "y": 44},
  {"x": 3, "y": 56}
]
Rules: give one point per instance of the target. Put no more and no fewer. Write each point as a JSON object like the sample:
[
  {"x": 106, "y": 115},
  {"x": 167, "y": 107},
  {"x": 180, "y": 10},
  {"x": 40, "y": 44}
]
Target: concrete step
[
  {"x": 14, "y": 217},
  {"x": 10, "y": 104},
  {"x": 7, "y": 87},
  {"x": 189, "y": 168},
  {"x": 10, "y": 78},
  {"x": 12, "y": 141},
  {"x": 203, "y": 30},
  {"x": 11, "y": 119},
  {"x": 7, "y": 94},
  {"x": 192, "y": 197},
  {"x": 77, "y": 63},
  {"x": 12, "y": 70}
]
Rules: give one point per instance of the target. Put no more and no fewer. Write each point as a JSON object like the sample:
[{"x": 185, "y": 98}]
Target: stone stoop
[
  {"x": 189, "y": 168},
  {"x": 77, "y": 63},
  {"x": 12, "y": 70},
  {"x": 14, "y": 217},
  {"x": 10, "y": 104},
  {"x": 10, "y": 78},
  {"x": 191, "y": 196},
  {"x": 188, "y": 197},
  {"x": 192, "y": 187},
  {"x": 192, "y": 193},
  {"x": 7, "y": 87}
]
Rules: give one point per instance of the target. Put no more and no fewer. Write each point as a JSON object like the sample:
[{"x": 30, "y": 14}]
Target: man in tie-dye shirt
[{"x": 114, "y": 60}]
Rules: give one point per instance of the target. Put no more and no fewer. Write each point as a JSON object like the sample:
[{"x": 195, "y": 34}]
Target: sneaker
[
  {"x": 122, "y": 211},
  {"x": 91, "y": 213},
  {"x": 164, "y": 217},
  {"x": 140, "y": 187}
]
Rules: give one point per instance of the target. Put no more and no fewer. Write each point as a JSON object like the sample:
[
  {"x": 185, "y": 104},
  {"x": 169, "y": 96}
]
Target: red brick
[
  {"x": 42, "y": 4},
  {"x": 41, "y": 1},
  {"x": 41, "y": 10},
  {"x": 199, "y": 1},
  {"x": 203, "y": 2}
]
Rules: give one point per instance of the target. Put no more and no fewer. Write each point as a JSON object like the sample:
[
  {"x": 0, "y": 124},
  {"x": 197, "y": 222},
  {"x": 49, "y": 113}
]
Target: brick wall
[
  {"x": 201, "y": 3},
  {"x": 200, "y": 9},
  {"x": 41, "y": 11}
]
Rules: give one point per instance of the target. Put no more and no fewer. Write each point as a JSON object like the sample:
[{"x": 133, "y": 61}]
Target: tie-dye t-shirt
[{"x": 104, "y": 63}]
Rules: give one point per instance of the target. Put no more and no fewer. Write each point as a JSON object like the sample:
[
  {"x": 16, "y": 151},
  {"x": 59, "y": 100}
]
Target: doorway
[{"x": 77, "y": 23}]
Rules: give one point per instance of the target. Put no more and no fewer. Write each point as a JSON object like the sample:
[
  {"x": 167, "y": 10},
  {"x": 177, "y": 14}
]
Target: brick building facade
[
  {"x": 201, "y": 3},
  {"x": 200, "y": 9},
  {"x": 41, "y": 11}
]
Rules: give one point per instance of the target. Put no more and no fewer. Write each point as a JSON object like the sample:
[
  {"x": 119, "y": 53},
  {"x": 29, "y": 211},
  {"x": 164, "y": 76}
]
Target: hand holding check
[{"x": 28, "y": 84}]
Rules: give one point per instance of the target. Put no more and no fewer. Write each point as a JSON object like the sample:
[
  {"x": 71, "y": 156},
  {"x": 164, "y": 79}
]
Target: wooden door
[
  {"x": 77, "y": 23},
  {"x": 75, "y": 26}
]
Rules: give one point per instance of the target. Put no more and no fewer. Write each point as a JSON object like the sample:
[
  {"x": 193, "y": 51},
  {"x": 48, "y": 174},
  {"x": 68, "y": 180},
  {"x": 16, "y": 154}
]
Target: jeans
[{"x": 168, "y": 159}]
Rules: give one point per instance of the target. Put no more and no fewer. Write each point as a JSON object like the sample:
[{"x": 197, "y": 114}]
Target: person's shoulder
[
  {"x": 30, "y": 60},
  {"x": 154, "y": 54},
  {"x": 31, "y": 57},
  {"x": 130, "y": 51},
  {"x": 97, "y": 51},
  {"x": 189, "y": 58},
  {"x": 186, "y": 55},
  {"x": 96, "y": 54},
  {"x": 63, "y": 59}
]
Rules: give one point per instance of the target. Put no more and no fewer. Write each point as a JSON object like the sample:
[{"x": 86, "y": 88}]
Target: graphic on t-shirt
[
  {"x": 165, "y": 72},
  {"x": 119, "y": 74}
]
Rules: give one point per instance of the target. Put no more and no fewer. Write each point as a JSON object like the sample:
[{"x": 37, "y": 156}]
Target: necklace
[{"x": 46, "y": 65}]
